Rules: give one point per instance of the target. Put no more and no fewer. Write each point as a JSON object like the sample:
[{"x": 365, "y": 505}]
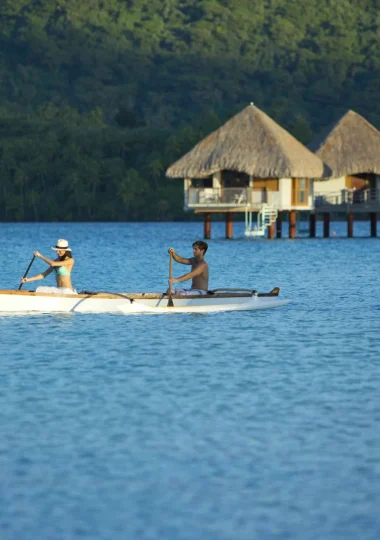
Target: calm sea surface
[{"x": 226, "y": 426}]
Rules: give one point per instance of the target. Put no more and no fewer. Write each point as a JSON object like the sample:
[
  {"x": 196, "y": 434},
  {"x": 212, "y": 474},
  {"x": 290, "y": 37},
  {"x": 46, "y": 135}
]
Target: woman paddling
[{"x": 62, "y": 266}]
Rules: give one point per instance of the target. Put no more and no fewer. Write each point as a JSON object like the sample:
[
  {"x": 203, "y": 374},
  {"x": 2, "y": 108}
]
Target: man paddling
[{"x": 198, "y": 273}]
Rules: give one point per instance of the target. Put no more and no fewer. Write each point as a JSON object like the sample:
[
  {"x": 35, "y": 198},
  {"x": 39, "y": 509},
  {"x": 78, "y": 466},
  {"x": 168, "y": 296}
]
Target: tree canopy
[{"x": 98, "y": 98}]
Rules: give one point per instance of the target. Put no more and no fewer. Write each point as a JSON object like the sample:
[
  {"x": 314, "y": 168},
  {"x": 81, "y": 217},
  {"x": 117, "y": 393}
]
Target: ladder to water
[{"x": 266, "y": 216}]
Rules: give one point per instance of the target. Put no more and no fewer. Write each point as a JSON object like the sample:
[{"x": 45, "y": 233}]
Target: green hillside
[{"x": 97, "y": 97}]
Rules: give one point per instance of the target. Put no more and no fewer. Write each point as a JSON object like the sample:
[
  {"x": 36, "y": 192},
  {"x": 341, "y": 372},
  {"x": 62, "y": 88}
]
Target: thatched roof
[
  {"x": 252, "y": 143},
  {"x": 349, "y": 146}
]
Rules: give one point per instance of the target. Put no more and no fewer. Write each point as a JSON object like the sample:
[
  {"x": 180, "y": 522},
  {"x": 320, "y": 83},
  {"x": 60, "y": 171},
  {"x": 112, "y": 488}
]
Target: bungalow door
[{"x": 300, "y": 191}]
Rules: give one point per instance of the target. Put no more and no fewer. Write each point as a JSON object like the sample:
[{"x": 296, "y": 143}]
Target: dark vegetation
[{"x": 99, "y": 97}]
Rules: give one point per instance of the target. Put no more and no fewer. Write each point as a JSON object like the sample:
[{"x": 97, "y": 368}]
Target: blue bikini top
[{"x": 61, "y": 271}]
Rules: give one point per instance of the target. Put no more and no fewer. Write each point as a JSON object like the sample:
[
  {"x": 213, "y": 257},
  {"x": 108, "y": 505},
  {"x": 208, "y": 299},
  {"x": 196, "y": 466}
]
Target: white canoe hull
[{"x": 130, "y": 303}]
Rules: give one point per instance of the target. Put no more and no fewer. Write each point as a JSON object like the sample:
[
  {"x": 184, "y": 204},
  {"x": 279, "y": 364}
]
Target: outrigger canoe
[{"x": 129, "y": 303}]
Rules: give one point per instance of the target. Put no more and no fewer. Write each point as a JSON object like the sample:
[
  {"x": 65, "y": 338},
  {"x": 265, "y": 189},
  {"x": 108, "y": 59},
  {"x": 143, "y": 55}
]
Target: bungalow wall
[
  {"x": 296, "y": 193},
  {"x": 324, "y": 187},
  {"x": 285, "y": 188},
  {"x": 360, "y": 181}
]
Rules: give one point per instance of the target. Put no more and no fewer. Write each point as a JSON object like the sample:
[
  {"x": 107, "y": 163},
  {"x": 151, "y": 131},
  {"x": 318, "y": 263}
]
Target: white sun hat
[{"x": 62, "y": 245}]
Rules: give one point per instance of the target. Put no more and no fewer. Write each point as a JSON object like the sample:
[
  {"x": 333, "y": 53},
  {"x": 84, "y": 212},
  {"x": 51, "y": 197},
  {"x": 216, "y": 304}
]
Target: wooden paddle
[
  {"x": 170, "y": 301},
  {"x": 27, "y": 270}
]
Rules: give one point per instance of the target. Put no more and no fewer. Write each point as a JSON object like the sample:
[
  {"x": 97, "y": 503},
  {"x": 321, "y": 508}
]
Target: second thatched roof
[
  {"x": 252, "y": 143},
  {"x": 349, "y": 146}
]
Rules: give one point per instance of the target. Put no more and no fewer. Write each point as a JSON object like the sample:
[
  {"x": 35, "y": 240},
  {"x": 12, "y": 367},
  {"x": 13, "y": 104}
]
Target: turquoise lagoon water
[{"x": 246, "y": 425}]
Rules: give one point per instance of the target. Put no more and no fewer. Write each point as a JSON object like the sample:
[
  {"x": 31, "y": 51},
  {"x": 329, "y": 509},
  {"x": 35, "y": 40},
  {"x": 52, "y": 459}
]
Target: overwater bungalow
[
  {"x": 251, "y": 165},
  {"x": 351, "y": 149}
]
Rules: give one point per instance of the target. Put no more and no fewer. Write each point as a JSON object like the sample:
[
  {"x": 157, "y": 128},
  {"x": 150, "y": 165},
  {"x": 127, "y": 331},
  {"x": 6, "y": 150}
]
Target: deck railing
[
  {"x": 233, "y": 197},
  {"x": 348, "y": 197}
]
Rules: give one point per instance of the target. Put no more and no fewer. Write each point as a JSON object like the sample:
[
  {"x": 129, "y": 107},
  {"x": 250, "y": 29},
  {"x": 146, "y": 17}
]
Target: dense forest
[{"x": 99, "y": 97}]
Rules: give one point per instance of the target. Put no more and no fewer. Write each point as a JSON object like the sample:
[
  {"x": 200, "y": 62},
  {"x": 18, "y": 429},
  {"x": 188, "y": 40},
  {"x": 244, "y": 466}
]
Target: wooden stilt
[
  {"x": 271, "y": 230},
  {"x": 350, "y": 224},
  {"x": 229, "y": 225},
  {"x": 312, "y": 224},
  {"x": 373, "y": 218},
  {"x": 207, "y": 225},
  {"x": 292, "y": 224},
  {"x": 326, "y": 225},
  {"x": 279, "y": 225}
]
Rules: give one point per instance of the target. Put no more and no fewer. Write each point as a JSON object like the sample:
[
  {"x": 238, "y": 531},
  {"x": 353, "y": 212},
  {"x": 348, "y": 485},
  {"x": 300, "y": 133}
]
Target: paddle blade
[{"x": 170, "y": 301}]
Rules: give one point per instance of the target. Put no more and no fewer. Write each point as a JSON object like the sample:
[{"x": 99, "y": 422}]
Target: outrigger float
[{"x": 129, "y": 303}]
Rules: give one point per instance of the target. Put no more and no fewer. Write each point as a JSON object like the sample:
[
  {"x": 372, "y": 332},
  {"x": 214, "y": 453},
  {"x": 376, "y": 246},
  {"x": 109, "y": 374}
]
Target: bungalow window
[
  {"x": 201, "y": 182},
  {"x": 302, "y": 193}
]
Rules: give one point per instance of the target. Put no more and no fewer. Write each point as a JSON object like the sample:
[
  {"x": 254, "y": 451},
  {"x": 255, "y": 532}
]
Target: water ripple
[{"x": 222, "y": 426}]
